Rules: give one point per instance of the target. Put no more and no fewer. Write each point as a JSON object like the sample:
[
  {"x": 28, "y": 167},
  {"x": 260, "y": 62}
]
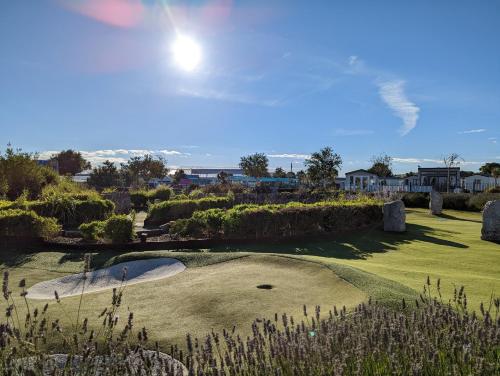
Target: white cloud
[
  {"x": 430, "y": 160},
  {"x": 353, "y": 132},
  {"x": 392, "y": 93},
  {"x": 97, "y": 157},
  {"x": 228, "y": 97},
  {"x": 289, "y": 155},
  {"x": 473, "y": 131}
]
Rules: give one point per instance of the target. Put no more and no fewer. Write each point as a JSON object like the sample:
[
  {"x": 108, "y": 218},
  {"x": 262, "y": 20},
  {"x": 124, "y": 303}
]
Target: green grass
[
  {"x": 219, "y": 287},
  {"x": 447, "y": 247}
]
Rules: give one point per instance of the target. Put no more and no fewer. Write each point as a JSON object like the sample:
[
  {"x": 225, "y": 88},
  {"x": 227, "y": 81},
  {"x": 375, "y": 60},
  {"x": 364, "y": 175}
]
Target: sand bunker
[{"x": 107, "y": 278}]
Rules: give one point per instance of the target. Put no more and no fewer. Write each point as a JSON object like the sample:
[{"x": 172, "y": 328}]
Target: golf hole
[{"x": 265, "y": 287}]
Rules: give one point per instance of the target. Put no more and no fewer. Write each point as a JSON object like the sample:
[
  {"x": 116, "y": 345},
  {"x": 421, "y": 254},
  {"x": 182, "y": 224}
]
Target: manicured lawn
[
  {"x": 216, "y": 291},
  {"x": 447, "y": 247},
  {"x": 219, "y": 287}
]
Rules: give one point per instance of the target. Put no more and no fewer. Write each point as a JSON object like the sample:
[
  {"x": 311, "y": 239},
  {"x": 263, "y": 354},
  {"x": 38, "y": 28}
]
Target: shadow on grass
[
  {"x": 12, "y": 258},
  {"x": 452, "y": 217},
  {"x": 351, "y": 246}
]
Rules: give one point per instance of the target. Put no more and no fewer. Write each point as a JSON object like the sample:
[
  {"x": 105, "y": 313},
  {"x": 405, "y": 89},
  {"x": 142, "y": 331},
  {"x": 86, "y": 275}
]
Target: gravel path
[{"x": 107, "y": 278}]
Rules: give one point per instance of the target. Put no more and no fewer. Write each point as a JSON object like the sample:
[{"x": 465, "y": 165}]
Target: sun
[{"x": 186, "y": 53}]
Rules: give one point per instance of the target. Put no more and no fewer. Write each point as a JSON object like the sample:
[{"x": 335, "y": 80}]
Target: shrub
[
  {"x": 73, "y": 212},
  {"x": 92, "y": 231},
  {"x": 26, "y": 223},
  {"x": 477, "y": 201},
  {"x": 141, "y": 198},
  {"x": 456, "y": 201},
  {"x": 167, "y": 211},
  {"x": 416, "y": 200},
  {"x": 493, "y": 190},
  {"x": 196, "y": 194},
  {"x": 119, "y": 229},
  {"x": 250, "y": 221}
]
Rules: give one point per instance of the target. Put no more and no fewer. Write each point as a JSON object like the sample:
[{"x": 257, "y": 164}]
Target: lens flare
[{"x": 186, "y": 53}]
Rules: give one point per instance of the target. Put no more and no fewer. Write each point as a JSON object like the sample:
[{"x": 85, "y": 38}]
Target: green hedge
[
  {"x": 167, "y": 211},
  {"x": 140, "y": 199},
  {"x": 455, "y": 201},
  {"x": 280, "y": 221},
  {"x": 118, "y": 229},
  {"x": 26, "y": 223},
  {"x": 72, "y": 212}
]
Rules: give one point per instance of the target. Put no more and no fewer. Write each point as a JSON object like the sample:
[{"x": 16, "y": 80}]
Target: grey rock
[
  {"x": 436, "y": 203},
  {"x": 122, "y": 201},
  {"x": 394, "y": 216},
  {"x": 491, "y": 221}
]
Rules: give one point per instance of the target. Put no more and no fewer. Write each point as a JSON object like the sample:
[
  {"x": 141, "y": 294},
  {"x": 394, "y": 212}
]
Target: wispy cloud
[
  {"x": 353, "y": 132},
  {"x": 116, "y": 155},
  {"x": 393, "y": 94},
  {"x": 493, "y": 140},
  {"x": 431, "y": 160},
  {"x": 227, "y": 97},
  {"x": 481, "y": 130},
  {"x": 289, "y": 155}
]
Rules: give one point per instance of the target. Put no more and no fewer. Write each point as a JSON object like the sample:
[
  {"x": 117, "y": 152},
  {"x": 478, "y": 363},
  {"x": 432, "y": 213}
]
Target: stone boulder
[
  {"x": 122, "y": 201},
  {"x": 394, "y": 216},
  {"x": 491, "y": 221},
  {"x": 436, "y": 203}
]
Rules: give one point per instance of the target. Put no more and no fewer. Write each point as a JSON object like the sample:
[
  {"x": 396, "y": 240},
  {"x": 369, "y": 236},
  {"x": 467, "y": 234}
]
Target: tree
[
  {"x": 105, "y": 176},
  {"x": 450, "y": 161},
  {"x": 70, "y": 162},
  {"x": 496, "y": 174},
  {"x": 302, "y": 176},
  {"x": 279, "y": 173},
  {"x": 487, "y": 168},
  {"x": 323, "y": 166},
  {"x": 255, "y": 165},
  {"x": 20, "y": 172},
  {"x": 179, "y": 175},
  {"x": 290, "y": 175},
  {"x": 222, "y": 177},
  {"x": 381, "y": 165},
  {"x": 142, "y": 169}
]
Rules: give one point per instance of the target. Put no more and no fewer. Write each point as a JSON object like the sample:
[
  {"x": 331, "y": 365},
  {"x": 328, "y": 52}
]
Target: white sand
[{"x": 108, "y": 278}]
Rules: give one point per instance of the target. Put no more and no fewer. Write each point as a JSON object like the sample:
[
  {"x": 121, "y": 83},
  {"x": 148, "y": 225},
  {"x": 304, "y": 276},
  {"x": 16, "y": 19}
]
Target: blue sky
[{"x": 413, "y": 79}]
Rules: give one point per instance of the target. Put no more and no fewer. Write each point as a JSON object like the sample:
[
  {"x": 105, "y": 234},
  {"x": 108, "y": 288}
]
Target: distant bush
[
  {"x": 140, "y": 199},
  {"x": 281, "y": 221},
  {"x": 196, "y": 194},
  {"x": 92, "y": 231},
  {"x": 118, "y": 229},
  {"x": 416, "y": 200},
  {"x": 494, "y": 190},
  {"x": 26, "y": 223},
  {"x": 477, "y": 201},
  {"x": 454, "y": 201},
  {"x": 167, "y": 211},
  {"x": 223, "y": 189}
]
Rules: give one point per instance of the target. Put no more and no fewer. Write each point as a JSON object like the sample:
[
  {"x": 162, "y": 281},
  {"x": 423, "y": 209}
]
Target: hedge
[
  {"x": 26, "y": 223},
  {"x": 455, "y": 201},
  {"x": 118, "y": 229},
  {"x": 167, "y": 211},
  {"x": 280, "y": 221},
  {"x": 140, "y": 199},
  {"x": 71, "y": 212}
]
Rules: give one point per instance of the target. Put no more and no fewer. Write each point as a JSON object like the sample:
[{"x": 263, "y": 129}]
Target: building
[
  {"x": 437, "y": 177},
  {"x": 478, "y": 183},
  {"x": 361, "y": 180},
  {"x": 82, "y": 177}
]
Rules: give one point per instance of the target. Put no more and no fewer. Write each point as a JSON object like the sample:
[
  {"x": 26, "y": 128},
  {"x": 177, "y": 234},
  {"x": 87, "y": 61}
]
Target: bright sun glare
[{"x": 187, "y": 53}]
